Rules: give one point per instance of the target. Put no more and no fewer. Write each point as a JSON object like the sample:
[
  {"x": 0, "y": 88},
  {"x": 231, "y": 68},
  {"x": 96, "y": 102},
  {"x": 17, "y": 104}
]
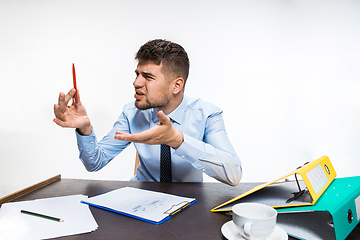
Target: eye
[{"x": 148, "y": 76}]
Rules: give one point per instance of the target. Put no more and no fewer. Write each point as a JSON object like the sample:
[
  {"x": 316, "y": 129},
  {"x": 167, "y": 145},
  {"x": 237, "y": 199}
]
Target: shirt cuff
[{"x": 85, "y": 140}]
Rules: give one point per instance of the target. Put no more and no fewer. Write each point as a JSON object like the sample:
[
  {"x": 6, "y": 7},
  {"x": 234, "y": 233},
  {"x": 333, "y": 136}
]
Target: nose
[{"x": 139, "y": 81}]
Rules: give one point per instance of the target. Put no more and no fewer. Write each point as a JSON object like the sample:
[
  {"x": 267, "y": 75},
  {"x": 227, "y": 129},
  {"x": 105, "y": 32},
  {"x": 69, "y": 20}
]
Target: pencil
[
  {"x": 74, "y": 82},
  {"x": 42, "y": 216}
]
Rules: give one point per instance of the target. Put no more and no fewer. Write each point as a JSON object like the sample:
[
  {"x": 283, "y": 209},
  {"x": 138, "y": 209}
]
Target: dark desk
[{"x": 196, "y": 222}]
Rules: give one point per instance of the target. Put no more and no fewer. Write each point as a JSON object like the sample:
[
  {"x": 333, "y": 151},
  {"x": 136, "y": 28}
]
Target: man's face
[{"x": 152, "y": 88}]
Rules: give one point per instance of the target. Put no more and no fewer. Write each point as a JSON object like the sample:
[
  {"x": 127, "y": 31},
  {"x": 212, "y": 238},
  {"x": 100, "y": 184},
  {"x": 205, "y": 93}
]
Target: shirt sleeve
[
  {"x": 215, "y": 155},
  {"x": 95, "y": 155}
]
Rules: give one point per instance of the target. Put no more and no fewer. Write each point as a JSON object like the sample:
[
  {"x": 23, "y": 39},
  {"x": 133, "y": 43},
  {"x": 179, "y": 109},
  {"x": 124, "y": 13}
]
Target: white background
[{"x": 285, "y": 72}]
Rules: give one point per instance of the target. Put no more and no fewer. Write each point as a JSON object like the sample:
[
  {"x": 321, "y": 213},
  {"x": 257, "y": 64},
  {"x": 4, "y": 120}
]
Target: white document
[
  {"x": 16, "y": 225},
  {"x": 150, "y": 206}
]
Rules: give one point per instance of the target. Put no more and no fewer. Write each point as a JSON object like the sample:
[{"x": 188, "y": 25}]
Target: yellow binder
[{"x": 316, "y": 177}]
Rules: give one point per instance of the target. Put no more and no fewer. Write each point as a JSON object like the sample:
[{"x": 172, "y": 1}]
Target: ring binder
[
  {"x": 333, "y": 216},
  {"x": 316, "y": 177},
  {"x": 296, "y": 194}
]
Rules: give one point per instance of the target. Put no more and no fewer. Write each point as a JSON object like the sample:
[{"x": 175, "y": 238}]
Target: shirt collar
[{"x": 176, "y": 115}]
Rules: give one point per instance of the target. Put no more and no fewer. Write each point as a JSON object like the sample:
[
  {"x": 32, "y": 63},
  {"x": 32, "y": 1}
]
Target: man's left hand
[{"x": 163, "y": 133}]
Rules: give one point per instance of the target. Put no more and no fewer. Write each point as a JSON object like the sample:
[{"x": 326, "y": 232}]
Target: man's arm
[
  {"x": 95, "y": 155},
  {"x": 92, "y": 154},
  {"x": 214, "y": 155}
]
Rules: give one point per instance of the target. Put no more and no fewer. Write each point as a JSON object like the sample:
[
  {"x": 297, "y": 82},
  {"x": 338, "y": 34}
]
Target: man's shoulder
[
  {"x": 198, "y": 104},
  {"x": 130, "y": 107},
  {"x": 130, "y": 110}
]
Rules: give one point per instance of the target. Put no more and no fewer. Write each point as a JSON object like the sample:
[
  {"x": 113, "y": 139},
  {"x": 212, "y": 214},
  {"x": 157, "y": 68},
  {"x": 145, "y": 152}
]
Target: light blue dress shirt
[{"x": 206, "y": 147}]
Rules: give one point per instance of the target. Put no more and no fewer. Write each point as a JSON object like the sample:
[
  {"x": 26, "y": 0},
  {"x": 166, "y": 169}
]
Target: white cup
[{"x": 254, "y": 221}]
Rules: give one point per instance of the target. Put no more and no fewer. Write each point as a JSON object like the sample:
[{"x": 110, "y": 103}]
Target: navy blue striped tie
[{"x": 165, "y": 164}]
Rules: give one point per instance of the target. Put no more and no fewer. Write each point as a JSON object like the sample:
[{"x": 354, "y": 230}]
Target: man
[{"x": 161, "y": 117}]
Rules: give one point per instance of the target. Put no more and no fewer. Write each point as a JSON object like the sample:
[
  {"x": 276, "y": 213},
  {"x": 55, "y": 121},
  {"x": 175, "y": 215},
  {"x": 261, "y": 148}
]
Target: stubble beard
[
  {"x": 147, "y": 104},
  {"x": 142, "y": 106}
]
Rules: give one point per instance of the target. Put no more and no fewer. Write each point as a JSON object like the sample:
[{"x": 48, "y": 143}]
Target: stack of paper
[{"x": 16, "y": 225}]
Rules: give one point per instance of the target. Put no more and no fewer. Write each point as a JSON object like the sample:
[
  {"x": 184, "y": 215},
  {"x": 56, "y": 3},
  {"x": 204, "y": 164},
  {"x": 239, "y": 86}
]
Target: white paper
[
  {"x": 141, "y": 203},
  {"x": 16, "y": 225}
]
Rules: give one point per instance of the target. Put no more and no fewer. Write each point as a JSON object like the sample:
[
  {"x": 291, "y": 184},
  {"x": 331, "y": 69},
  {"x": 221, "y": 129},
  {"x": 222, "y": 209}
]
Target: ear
[{"x": 178, "y": 85}]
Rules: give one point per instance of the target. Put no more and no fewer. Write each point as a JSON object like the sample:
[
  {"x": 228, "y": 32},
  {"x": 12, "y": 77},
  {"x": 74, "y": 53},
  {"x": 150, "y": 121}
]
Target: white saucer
[{"x": 230, "y": 232}]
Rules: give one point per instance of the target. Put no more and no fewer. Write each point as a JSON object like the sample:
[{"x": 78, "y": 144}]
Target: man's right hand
[{"x": 73, "y": 116}]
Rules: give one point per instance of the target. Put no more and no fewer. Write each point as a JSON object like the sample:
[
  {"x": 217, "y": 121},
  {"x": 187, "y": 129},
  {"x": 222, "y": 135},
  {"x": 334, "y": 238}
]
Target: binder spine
[{"x": 345, "y": 217}]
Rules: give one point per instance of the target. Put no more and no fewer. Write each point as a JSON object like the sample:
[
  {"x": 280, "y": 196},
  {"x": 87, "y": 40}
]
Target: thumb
[
  {"x": 163, "y": 118},
  {"x": 76, "y": 95}
]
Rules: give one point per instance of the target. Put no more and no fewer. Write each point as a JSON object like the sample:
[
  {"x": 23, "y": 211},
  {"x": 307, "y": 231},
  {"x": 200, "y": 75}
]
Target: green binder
[{"x": 333, "y": 216}]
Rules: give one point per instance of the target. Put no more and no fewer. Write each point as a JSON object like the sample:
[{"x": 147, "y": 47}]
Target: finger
[
  {"x": 61, "y": 102},
  {"x": 143, "y": 137},
  {"x": 59, "y": 122},
  {"x": 57, "y": 112},
  {"x": 70, "y": 95},
  {"x": 163, "y": 118},
  {"x": 120, "y": 135},
  {"x": 78, "y": 95},
  {"x": 64, "y": 99}
]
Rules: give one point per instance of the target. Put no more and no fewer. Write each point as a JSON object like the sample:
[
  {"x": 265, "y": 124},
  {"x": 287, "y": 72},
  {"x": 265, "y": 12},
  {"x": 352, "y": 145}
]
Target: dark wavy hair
[{"x": 173, "y": 57}]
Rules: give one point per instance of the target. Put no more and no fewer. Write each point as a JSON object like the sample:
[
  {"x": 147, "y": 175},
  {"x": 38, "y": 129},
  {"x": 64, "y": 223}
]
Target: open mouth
[{"x": 139, "y": 95}]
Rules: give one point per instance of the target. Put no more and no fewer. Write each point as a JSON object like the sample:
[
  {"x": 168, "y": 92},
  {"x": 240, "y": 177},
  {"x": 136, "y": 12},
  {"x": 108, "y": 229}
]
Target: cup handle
[{"x": 247, "y": 229}]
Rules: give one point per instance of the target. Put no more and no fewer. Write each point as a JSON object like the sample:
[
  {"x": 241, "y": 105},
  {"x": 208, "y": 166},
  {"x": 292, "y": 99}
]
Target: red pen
[{"x": 74, "y": 82}]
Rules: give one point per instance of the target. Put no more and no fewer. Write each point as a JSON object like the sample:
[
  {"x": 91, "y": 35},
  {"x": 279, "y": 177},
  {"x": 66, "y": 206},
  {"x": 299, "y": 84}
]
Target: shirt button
[
  {"x": 182, "y": 156},
  {"x": 91, "y": 142},
  {"x": 203, "y": 170},
  {"x": 91, "y": 158}
]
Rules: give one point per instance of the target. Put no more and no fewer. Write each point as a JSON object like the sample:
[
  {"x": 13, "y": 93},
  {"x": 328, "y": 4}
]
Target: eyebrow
[{"x": 145, "y": 74}]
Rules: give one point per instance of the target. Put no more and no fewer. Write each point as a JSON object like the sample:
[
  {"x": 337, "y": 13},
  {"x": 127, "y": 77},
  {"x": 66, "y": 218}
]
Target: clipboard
[
  {"x": 312, "y": 180},
  {"x": 145, "y": 205},
  {"x": 333, "y": 216}
]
